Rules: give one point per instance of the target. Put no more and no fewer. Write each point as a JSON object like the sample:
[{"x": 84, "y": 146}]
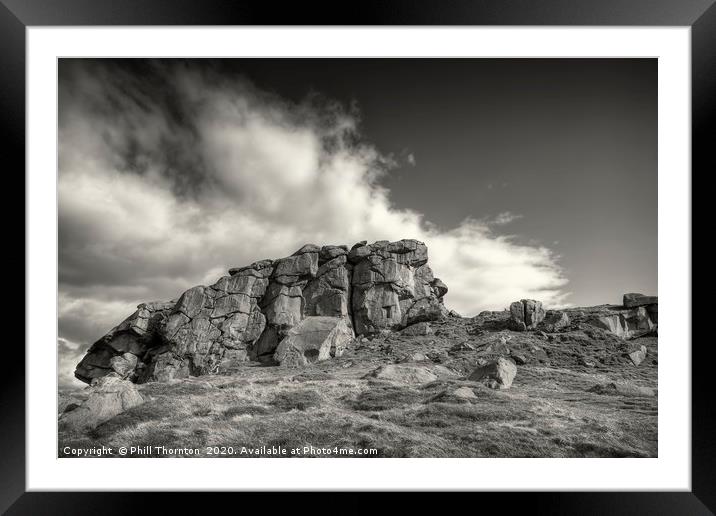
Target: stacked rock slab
[
  {"x": 393, "y": 286},
  {"x": 247, "y": 314}
]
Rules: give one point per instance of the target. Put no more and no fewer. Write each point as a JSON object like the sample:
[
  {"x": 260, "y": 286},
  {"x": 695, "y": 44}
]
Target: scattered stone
[
  {"x": 462, "y": 346},
  {"x": 633, "y": 300},
  {"x": 453, "y": 313},
  {"x": 464, "y": 393},
  {"x": 438, "y": 355},
  {"x": 403, "y": 373},
  {"x": 496, "y": 374},
  {"x": 519, "y": 358},
  {"x": 587, "y": 362},
  {"x": 638, "y": 356},
  {"x": 414, "y": 357},
  {"x": 109, "y": 396}
]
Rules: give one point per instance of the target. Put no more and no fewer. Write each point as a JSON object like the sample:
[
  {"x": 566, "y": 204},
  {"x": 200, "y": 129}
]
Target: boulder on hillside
[
  {"x": 313, "y": 339},
  {"x": 496, "y": 374},
  {"x": 633, "y": 300},
  {"x": 526, "y": 314},
  {"x": 637, "y": 356},
  {"x": 109, "y": 396}
]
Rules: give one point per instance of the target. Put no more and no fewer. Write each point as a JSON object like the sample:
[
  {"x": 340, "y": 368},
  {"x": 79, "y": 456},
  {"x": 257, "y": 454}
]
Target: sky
[{"x": 526, "y": 177}]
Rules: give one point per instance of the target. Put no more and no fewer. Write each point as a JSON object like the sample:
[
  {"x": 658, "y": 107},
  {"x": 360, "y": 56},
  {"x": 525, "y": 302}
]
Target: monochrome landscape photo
[{"x": 399, "y": 257}]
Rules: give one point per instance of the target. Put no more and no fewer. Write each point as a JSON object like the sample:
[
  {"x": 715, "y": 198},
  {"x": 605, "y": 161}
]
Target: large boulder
[
  {"x": 247, "y": 314},
  {"x": 638, "y": 355},
  {"x": 526, "y": 314},
  {"x": 312, "y": 340},
  {"x": 496, "y": 374},
  {"x": 109, "y": 396}
]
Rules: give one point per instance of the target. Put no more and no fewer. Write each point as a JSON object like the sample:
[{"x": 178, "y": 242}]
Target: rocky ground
[{"x": 577, "y": 393}]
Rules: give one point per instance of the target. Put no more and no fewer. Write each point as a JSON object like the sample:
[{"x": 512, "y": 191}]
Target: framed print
[{"x": 434, "y": 237}]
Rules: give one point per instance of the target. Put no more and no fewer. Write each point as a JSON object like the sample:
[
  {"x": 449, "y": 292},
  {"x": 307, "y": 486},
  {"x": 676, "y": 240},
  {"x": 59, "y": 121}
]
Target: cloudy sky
[{"x": 526, "y": 178}]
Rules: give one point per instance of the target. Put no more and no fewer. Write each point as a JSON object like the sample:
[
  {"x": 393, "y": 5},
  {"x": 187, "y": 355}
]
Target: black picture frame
[{"x": 17, "y": 15}]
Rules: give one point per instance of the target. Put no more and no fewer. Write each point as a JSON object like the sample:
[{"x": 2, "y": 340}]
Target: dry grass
[{"x": 548, "y": 412}]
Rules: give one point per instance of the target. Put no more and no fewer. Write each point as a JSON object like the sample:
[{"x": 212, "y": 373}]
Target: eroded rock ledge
[{"x": 245, "y": 315}]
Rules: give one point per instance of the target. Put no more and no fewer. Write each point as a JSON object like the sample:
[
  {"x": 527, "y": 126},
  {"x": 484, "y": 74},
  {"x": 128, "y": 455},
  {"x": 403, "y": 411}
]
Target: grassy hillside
[{"x": 550, "y": 410}]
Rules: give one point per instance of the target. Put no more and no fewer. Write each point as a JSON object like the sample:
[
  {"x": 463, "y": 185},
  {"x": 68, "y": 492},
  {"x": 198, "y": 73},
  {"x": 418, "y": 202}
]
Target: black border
[{"x": 16, "y": 15}]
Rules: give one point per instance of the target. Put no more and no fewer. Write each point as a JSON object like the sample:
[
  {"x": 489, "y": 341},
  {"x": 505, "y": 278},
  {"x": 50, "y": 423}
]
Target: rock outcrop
[
  {"x": 526, "y": 314},
  {"x": 247, "y": 314}
]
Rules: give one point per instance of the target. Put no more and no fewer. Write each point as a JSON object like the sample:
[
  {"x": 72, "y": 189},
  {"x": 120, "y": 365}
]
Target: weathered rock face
[
  {"x": 393, "y": 286},
  {"x": 526, "y": 314},
  {"x": 626, "y": 323},
  {"x": 247, "y": 314},
  {"x": 136, "y": 335}
]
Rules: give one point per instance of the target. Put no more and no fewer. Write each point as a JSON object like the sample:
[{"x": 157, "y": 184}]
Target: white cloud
[
  {"x": 505, "y": 217},
  {"x": 250, "y": 177}
]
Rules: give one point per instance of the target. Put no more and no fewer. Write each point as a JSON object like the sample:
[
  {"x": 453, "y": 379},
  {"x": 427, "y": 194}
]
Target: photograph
[{"x": 357, "y": 257}]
